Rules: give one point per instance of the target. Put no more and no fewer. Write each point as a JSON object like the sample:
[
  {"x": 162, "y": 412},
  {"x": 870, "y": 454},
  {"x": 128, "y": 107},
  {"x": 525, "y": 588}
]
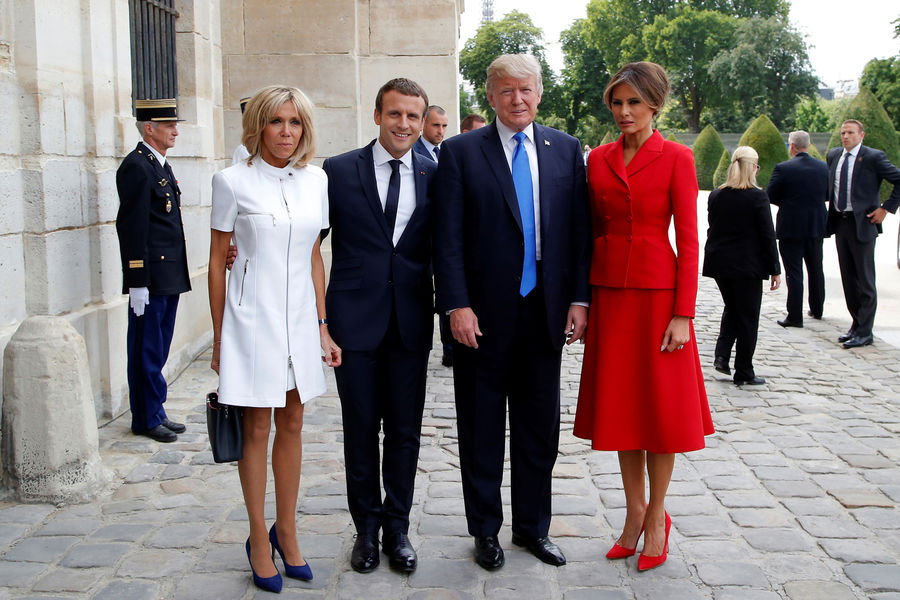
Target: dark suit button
[
  {"x": 390, "y": 282},
  {"x": 394, "y": 253},
  {"x": 628, "y": 218},
  {"x": 518, "y": 278},
  {"x": 629, "y": 238}
]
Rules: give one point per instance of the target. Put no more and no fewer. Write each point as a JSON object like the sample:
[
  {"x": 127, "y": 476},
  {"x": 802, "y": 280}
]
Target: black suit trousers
[
  {"x": 383, "y": 386},
  {"x": 857, "y": 262},
  {"x": 794, "y": 252},
  {"x": 523, "y": 372},
  {"x": 740, "y": 323}
]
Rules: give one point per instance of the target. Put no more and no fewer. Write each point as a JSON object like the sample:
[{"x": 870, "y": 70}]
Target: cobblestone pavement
[{"x": 795, "y": 497}]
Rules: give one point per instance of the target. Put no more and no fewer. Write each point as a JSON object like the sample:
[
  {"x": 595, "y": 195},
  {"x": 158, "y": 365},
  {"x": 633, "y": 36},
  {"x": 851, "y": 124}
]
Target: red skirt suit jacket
[{"x": 631, "y": 239}]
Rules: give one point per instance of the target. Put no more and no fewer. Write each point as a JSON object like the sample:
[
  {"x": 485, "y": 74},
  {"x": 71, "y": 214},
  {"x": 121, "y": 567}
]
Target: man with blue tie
[
  {"x": 854, "y": 217},
  {"x": 380, "y": 304},
  {"x": 512, "y": 257}
]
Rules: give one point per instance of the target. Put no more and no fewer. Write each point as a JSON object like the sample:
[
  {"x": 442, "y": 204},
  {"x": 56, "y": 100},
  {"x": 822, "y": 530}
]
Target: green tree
[
  {"x": 515, "y": 33},
  {"x": 810, "y": 116},
  {"x": 708, "y": 149},
  {"x": 763, "y": 136},
  {"x": 686, "y": 45},
  {"x": 767, "y": 69},
  {"x": 882, "y": 76},
  {"x": 721, "y": 173},
  {"x": 814, "y": 152},
  {"x": 465, "y": 103},
  {"x": 583, "y": 79}
]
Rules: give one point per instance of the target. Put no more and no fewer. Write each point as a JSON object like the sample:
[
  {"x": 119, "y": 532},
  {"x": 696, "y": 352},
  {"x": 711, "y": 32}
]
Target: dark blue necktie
[
  {"x": 393, "y": 196},
  {"x": 842, "y": 183},
  {"x": 521, "y": 173},
  {"x": 437, "y": 152}
]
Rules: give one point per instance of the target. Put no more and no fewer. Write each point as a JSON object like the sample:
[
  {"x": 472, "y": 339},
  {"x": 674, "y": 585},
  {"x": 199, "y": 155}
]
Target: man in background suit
[
  {"x": 512, "y": 256},
  {"x": 472, "y": 121},
  {"x": 799, "y": 188},
  {"x": 429, "y": 145},
  {"x": 855, "y": 213},
  {"x": 380, "y": 303},
  {"x": 154, "y": 264}
]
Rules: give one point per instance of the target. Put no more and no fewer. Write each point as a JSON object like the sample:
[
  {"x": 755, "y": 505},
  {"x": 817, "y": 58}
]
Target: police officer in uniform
[{"x": 154, "y": 263}]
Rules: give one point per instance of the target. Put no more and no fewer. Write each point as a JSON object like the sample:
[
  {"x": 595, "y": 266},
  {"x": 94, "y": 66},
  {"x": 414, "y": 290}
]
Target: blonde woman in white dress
[{"x": 270, "y": 328}]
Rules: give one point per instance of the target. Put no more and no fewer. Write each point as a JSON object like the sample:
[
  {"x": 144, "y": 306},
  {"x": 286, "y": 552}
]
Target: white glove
[{"x": 139, "y": 298}]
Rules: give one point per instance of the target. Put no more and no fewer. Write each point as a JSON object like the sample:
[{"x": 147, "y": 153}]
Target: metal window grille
[{"x": 153, "y": 72}]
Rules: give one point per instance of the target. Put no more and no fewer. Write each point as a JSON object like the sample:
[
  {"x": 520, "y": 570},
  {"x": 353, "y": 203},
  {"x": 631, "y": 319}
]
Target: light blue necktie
[{"x": 521, "y": 174}]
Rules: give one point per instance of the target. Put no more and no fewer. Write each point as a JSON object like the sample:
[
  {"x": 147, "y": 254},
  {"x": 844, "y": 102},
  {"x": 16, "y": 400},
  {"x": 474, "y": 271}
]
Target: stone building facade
[{"x": 66, "y": 123}]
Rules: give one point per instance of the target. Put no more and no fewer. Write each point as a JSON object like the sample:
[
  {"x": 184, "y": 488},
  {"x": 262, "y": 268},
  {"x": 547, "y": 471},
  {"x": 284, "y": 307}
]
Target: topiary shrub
[
  {"x": 721, "y": 172},
  {"x": 708, "y": 149},
  {"x": 880, "y": 133},
  {"x": 673, "y": 138},
  {"x": 814, "y": 152},
  {"x": 763, "y": 136},
  {"x": 608, "y": 138}
]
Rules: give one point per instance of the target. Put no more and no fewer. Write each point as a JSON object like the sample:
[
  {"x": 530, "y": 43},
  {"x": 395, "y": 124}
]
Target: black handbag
[{"x": 224, "y": 424}]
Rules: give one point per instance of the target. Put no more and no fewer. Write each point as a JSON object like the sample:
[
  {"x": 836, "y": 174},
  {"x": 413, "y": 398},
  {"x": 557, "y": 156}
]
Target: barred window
[{"x": 153, "y": 73}]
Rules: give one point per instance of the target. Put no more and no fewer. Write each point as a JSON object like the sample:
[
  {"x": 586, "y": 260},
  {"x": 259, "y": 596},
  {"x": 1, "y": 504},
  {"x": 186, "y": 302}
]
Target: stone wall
[{"x": 66, "y": 123}]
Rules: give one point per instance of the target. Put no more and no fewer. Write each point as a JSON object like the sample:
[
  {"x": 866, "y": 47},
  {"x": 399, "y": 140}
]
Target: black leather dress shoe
[
  {"x": 402, "y": 555},
  {"x": 488, "y": 553},
  {"x": 846, "y": 337},
  {"x": 721, "y": 365},
  {"x": 786, "y": 323},
  {"x": 160, "y": 434},
  {"x": 754, "y": 381},
  {"x": 858, "y": 341},
  {"x": 364, "y": 558},
  {"x": 810, "y": 313},
  {"x": 173, "y": 426},
  {"x": 542, "y": 548}
]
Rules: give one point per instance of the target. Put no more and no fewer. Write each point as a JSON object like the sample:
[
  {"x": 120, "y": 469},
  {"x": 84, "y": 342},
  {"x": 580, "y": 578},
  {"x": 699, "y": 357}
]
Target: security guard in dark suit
[{"x": 154, "y": 263}]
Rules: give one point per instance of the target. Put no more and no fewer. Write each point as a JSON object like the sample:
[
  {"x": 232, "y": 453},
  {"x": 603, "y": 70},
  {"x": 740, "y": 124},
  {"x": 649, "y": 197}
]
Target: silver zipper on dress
[
  {"x": 287, "y": 294},
  {"x": 243, "y": 279}
]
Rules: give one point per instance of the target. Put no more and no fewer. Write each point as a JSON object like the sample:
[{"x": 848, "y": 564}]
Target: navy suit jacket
[
  {"x": 151, "y": 234},
  {"x": 370, "y": 277},
  {"x": 799, "y": 188},
  {"x": 871, "y": 167},
  {"x": 479, "y": 248},
  {"x": 420, "y": 149}
]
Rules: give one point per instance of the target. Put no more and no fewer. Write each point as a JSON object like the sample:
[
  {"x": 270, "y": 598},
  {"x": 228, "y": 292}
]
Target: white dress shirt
[
  {"x": 509, "y": 144},
  {"x": 837, "y": 174},
  {"x": 407, "y": 202}
]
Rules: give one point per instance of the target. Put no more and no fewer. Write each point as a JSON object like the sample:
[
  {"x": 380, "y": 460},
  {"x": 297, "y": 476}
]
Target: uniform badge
[
  {"x": 168, "y": 206},
  {"x": 163, "y": 182}
]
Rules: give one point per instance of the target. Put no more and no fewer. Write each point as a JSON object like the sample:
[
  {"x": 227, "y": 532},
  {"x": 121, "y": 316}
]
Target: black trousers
[
  {"x": 794, "y": 252},
  {"x": 522, "y": 372},
  {"x": 740, "y": 323},
  {"x": 857, "y": 262},
  {"x": 385, "y": 386}
]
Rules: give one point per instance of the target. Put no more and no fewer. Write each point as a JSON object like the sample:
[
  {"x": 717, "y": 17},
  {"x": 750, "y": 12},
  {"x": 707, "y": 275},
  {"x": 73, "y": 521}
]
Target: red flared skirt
[{"x": 632, "y": 396}]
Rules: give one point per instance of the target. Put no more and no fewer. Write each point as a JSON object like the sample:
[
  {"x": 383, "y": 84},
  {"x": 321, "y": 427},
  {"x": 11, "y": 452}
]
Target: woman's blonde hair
[
  {"x": 260, "y": 110},
  {"x": 742, "y": 170},
  {"x": 649, "y": 81}
]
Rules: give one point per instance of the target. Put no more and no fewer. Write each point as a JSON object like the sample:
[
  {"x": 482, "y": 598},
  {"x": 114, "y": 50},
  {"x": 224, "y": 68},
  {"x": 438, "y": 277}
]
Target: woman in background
[
  {"x": 740, "y": 253},
  {"x": 267, "y": 342},
  {"x": 642, "y": 390}
]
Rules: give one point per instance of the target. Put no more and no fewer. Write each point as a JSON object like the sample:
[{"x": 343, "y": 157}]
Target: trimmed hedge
[
  {"x": 721, "y": 173},
  {"x": 707, "y": 150},
  {"x": 880, "y": 133},
  {"x": 673, "y": 138},
  {"x": 814, "y": 152},
  {"x": 763, "y": 136}
]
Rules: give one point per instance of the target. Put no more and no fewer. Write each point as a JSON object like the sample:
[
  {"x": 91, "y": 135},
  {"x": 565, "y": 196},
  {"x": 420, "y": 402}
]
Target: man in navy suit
[
  {"x": 855, "y": 213},
  {"x": 154, "y": 263},
  {"x": 380, "y": 303},
  {"x": 512, "y": 257},
  {"x": 429, "y": 145},
  {"x": 799, "y": 188}
]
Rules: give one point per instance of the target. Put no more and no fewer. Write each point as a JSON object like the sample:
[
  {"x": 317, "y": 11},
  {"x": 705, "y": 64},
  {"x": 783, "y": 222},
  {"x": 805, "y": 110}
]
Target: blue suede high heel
[
  {"x": 302, "y": 572},
  {"x": 270, "y": 584}
]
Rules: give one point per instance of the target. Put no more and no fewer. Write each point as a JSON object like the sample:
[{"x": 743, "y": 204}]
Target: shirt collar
[
  {"x": 854, "y": 150},
  {"x": 382, "y": 156},
  {"x": 160, "y": 157},
  {"x": 506, "y": 133},
  {"x": 428, "y": 145}
]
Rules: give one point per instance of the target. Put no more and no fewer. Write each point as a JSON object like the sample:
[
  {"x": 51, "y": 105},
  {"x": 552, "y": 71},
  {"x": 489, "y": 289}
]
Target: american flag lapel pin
[{"x": 546, "y": 142}]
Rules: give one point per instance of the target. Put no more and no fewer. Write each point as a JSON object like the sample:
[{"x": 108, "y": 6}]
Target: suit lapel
[
  {"x": 366, "y": 168},
  {"x": 544, "y": 150},
  {"x": 496, "y": 159},
  {"x": 646, "y": 154},
  {"x": 615, "y": 158}
]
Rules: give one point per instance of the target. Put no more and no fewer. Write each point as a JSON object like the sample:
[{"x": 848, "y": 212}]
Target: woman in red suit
[{"x": 642, "y": 388}]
